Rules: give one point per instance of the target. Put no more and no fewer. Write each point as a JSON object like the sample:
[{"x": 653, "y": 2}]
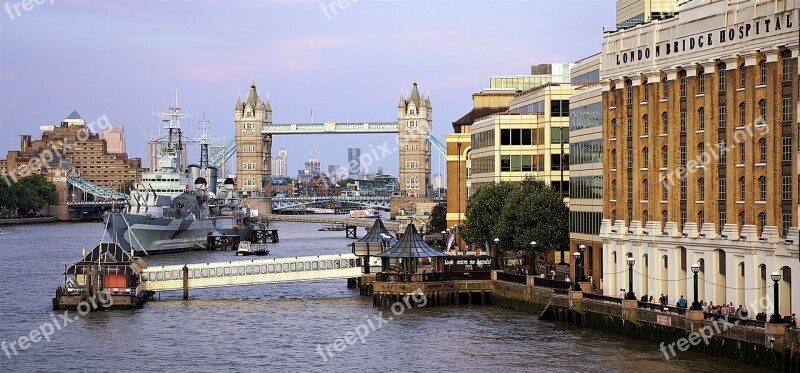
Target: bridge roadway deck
[
  {"x": 392, "y": 226},
  {"x": 250, "y": 272}
]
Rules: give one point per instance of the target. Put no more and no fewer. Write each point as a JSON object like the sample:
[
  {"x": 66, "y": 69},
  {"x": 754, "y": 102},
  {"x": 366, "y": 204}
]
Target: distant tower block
[
  {"x": 414, "y": 125},
  {"x": 254, "y": 151}
]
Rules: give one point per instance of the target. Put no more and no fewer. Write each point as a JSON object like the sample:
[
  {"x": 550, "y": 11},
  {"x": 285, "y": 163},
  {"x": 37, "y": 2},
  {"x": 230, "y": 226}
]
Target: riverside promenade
[{"x": 772, "y": 346}]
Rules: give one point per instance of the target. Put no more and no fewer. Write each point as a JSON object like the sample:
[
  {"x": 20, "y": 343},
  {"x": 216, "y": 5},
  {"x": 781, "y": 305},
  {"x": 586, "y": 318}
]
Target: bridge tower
[
  {"x": 414, "y": 123},
  {"x": 254, "y": 151}
]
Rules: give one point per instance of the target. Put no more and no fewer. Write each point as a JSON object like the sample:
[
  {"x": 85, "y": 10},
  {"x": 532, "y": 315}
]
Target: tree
[
  {"x": 33, "y": 193},
  {"x": 438, "y": 221},
  {"x": 483, "y": 211},
  {"x": 533, "y": 211}
]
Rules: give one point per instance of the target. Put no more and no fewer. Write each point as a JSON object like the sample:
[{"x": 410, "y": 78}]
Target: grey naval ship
[{"x": 172, "y": 209}]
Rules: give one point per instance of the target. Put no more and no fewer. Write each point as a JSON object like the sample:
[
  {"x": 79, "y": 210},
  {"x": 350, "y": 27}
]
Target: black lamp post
[
  {"x": 582, "y": 250},
  {"x": 631, "y": 295},
  {"x": 696, "y": 305},
  {"x": 577, "y": 257},
  {"x": 776, "y": 315},
  {"x": 496, "y": 254},
  {"x": 535, "y": 257}
]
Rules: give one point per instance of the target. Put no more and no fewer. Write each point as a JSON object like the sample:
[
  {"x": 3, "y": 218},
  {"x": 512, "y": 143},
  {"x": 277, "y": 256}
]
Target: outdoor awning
[
  {"x": 411, "y": 246},
  {"x": 374, "y": 234}
]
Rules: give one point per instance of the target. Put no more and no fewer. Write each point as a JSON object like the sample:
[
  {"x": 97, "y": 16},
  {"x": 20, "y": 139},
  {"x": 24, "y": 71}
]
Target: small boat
[
  {"x": 246, "y": 248},
  {"x": 366, "y": 213},
  {"x": 333, "y": 227}
]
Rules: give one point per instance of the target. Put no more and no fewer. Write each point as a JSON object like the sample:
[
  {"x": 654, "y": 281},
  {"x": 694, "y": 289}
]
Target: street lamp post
[
  {"x": 696, "y": 306},
  {"x": 582, "y": 250},
  {"x": 631, "y": 295},
  {"x": 776, "y": 315},
  {"x": 533, "y": 254},
  {"x": 496, "y": 255},
  {"x": 577, "y": 256}
]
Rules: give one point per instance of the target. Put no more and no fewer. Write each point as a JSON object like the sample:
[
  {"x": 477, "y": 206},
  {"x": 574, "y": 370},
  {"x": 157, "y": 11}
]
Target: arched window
[
  {"x": 701, "y": 81},
  {"x": 763, "y": 67},
  {"x": 664, "y": 156},
  {"x": 742, "y": 191},
  {"x": 682, "y": 85},
  {"x": 762, "y": 188},
  {"x": 645, "y": 216},
  {"x": 762, "y": 112},
  {"x": 613, "y": 215},
  {"x": 663, "y": 218},
  {"x": 613, "y": 128},
  {"x": 664, "y": 123},
  {"x": 645, "y": 125},
  {"x": 664, "y": 189},
  {"x": 645, "y": 190},
  {"x": 701, "y": 119},
  {"x": 664, "y": 89},
  {"x": 613, "y": 158},
  {"x": 721, "y": 86},
  {"x": 628, "y": 93},
  {"x": 644, "y": 91},
  {"x": 762, "y": 151},
  {"x": 701, "y": 218},
  {"x": 645, "y": 158},
  {"x": 701, "y": 153},
  {"x": 762, "y": 221},
  {"x": 742, "y": 114},
  {"x": 742, "y": 76},
  {"x": 614, "y": 189},
  {"x": 741, "y": 218},
  {"x": 701, "y": 189}
]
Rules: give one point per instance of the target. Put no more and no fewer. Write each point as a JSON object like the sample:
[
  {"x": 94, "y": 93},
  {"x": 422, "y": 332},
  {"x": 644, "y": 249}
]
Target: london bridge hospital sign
[{"x": 670, "y": 39}]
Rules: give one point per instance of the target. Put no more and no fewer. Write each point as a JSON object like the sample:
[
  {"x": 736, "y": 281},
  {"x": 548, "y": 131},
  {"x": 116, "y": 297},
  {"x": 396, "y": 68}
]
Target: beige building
[
  {"x": 700, "y": 144},
  {"x": 530, "y": 139},
  {"x": 253, "y": 150},
  {"x": 586, "y": 165},
  {"x": 633, "y": 12}
]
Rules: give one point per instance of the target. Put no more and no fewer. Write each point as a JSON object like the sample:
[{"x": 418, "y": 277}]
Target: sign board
[
  {"x": 468, "y": 263},
  {"x": 664, "y": 320}
]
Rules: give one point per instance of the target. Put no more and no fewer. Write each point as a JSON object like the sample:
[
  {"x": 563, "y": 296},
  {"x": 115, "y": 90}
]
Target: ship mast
[
  {"x": 171, "y": 121},
  {"x": 205, "y": 140}
]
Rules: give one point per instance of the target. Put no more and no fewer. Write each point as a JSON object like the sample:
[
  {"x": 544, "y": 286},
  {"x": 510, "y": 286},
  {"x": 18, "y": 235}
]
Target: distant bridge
[
  {"x": 391, "y": 225},
  {"x": 96, "y": 190},
  {"x": 294, "y": 202},
  {"x": 328, "y": 127},
  {"x": 249, "y": 272}
]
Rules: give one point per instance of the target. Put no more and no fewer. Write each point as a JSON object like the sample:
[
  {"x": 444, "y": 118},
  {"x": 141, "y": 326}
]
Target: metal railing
[
  {"x": 510, "y": 277},
  {"x": 412, "y": 277},
  {"x": 477, "y": 275},
  {"x": 549, "y": 283},
  {"x": 733, "y": 319},
  {"x": 662, "y": 308},
  {"x": 602, "y": 298}
]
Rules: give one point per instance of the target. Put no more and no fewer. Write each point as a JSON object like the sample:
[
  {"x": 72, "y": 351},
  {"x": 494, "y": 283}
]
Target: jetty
[{"x": 365, "y": 223}]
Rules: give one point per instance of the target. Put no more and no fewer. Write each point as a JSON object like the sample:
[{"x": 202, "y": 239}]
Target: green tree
[
  {"x": 8, "y": 200},
  {"x": 483, "y": 211},
  {"x": 438, "y": 218},
  {"x": 33, "y": 193},
  {"x": 533, "y": 211}
]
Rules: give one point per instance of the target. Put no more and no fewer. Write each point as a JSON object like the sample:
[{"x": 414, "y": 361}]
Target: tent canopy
[
  {"x": 374, "y": 234},
  {"x": 411, "y": 246}
]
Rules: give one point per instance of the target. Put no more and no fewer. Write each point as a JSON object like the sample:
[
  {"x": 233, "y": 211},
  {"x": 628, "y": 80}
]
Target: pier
[{"x": 250, "y": 272}]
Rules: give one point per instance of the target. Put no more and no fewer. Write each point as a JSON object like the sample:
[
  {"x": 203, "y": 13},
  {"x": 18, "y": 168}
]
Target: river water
[{"x": 286, "y": 326}]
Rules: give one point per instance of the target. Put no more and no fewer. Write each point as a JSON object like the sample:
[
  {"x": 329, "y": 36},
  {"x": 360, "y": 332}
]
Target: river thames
[{"x": 284, "y": 326}]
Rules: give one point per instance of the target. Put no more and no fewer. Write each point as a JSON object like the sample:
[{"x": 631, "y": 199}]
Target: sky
[{"x": 345, "y": 60}]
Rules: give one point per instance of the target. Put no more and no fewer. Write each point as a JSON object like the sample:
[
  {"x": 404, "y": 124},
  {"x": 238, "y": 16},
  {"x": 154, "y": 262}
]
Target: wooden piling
[{"x": 185, "y": 282}]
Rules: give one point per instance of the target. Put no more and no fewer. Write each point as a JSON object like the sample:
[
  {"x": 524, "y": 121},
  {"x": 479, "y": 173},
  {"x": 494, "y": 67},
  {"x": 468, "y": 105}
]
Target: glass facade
[
  {"x": 585, "y": 222},
  {"x": 590, "y": 151},
  {"x": 586, "y": 116}
]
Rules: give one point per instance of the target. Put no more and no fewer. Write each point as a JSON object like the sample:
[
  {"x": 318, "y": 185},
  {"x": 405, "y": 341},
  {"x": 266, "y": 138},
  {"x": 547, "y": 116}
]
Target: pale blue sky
[{"x": 125, "y": 59}]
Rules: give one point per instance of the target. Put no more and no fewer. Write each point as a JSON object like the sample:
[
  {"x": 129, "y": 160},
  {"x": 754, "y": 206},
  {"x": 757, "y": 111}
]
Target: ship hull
[{"x": 149, "y": 235}]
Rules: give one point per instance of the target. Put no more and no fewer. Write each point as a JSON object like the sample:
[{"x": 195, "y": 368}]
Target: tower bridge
[{"x": 255, "y": 129}]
